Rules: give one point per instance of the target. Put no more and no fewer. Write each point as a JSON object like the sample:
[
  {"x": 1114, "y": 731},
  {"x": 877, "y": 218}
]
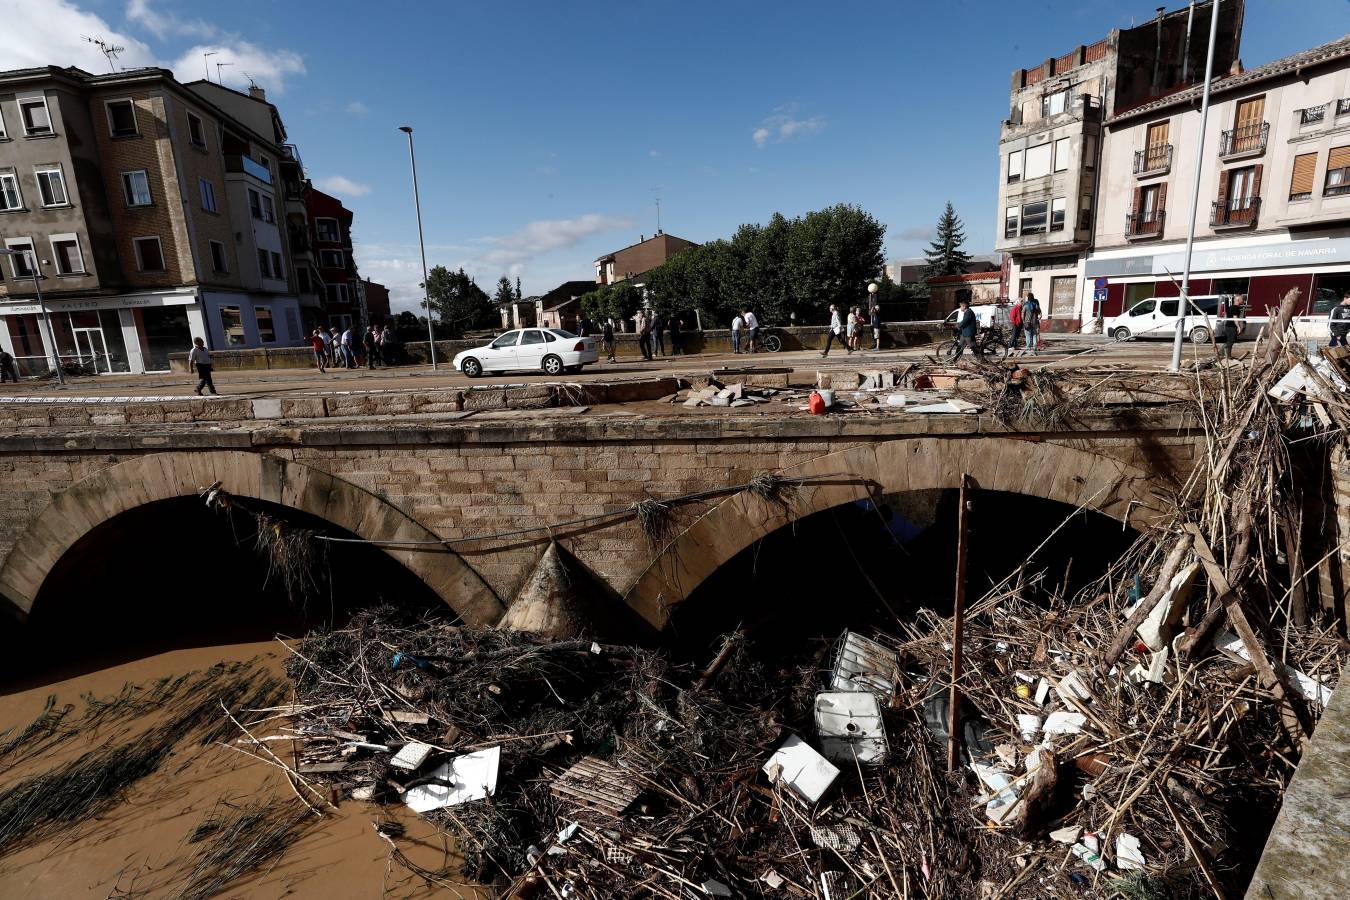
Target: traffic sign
[
  {"x": 1099, "y": 283},
  {"x": 1099, "y": 295}
]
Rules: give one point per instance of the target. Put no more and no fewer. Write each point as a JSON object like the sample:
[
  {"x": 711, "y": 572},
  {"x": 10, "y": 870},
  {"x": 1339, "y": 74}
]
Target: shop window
[
  {"x": 1328, "y": 291},
  {"x": 1231, "y": 285},
  {"x": 266, "y": 331},
  {"x": 232, "y": 324}
]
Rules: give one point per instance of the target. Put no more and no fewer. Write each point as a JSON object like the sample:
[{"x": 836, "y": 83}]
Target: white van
[
  {"x": 986, "y": 314},
  {"x": 1157, "y": 318}
]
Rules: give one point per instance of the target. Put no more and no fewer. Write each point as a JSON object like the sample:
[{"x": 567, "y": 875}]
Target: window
[
  {"x": 208, "y": 195},
  {"x": 302, "y": 280},
  {"x": 232, "y": 323},
  {"x": 1054, "y": 104},
  {"x": 218, "y": 263},
  {"x": 10, "y": 198},
  {"x": 255, "y": 203},
  {"x": 22, "y": 263},
  {"x": 136, "y": 188},
  {"x": 66, "y": 249},
  {"x": 149, "y": 254},
  {"x": 1143, "y": 308},
  {"x": 1085, "y": 212},
  {"x": 1342, "y": 109},
  {"x": 1090, "y": 151},
  {"x": 267, "y": 333},
  {"x": 1232, "y": 286},
  {"x": 332, "y": 259},
  {"x": 264, "y": 266},
  {"x": 1033, "y": 217},
  {"x": 1010, "y": 222},
  {"x": 1241, "y": 187},
  {"x": 1338, "y": 172},
  {"x": 337, "y": 293},
  {"x": 36, "y": 118},
  {"x": 327, "y": 230},
  {"x": 532, "y": 336},
  {"x": 196, "y": 131},
  {"x": 1301, "y": 181},
  {"x": 1014, "y": 166},
  {"x": 506, "y": 340},
  {"x": 1057, "y": 210},
  {"x": 268, "y": 209},
  {"x": 1062, "y": 155},
  {"x": 3, "y": 134},
  {"x": 1312, "y": 115},
  {"x": 1038, "y": 161},
  {"x": 1023, "y": 288},
  {"x": 52, "y": 187},
  {"x": 121, "y": 118},
  {"x": 277, "y": 270}
]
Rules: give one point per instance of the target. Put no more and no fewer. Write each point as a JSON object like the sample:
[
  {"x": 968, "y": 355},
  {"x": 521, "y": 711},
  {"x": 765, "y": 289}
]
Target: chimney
[
  {"x": 641, "y": 238},
  {"x": 257, "y": 93}
]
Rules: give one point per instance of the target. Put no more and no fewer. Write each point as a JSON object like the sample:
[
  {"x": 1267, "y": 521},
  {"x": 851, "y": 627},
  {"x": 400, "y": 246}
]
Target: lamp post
[
  {"x": 46, "y": 319},
  {"x": 417, "y": 203}
]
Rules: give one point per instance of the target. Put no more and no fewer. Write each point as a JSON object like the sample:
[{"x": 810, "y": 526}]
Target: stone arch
[
  {"x": 1040, "y": 469},
  {"x": 164, "y": 476}
]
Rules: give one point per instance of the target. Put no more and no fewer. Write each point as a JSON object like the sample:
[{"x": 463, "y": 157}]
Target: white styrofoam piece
[
  {"x": 411, "y": 756},
  {"x": 472, "y": 776},
  {"x": 798, "y": 767}
]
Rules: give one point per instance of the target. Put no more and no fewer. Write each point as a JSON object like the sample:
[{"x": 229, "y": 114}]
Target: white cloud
[
  {"x": 917, "y": 233},
  {"x": 268, "y": 68},
  {"x": 165, "y": 24},
  {"x": 341, "y": 186},
  {"x": 52, "y": 32},
  {"x": 357, "y": 108},
  {"x": 511, "y": 252},
  {"x": 783, "y": 125}
]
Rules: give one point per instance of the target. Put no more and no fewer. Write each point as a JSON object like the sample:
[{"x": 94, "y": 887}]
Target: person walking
[
  {"x": 676, "y": 337},
  {"x": 334, "y": 346},
  {"x": 8, "y": 371},
  {"x": 737, "y": 326},
  {"x": 1015, "y": 320},
  {"x": 317, "y": 343},
  {"x": 1338, "y": 321},
  {"x": 851, "y": 329},
  {"x": 836, "y": 332},
  {"x": 607, "y": 335},
  {"x": 1231, "y": 314},
  {"x": 1031, "y": 321},
  {"x": 583, "y": 327},
  {"x": 348, "y": 352},
  {"x": 644, "y": 331},
  {"x": 967, "y": 325},
  {"x": 389, "y": 347},
  {"x": 751, "y": 330},
  {"x": 371, "y": 342},
  {"x": 659, "y": 334},
  {"x": 199, "y": 358},
  {"x": 876, "y": 326}
]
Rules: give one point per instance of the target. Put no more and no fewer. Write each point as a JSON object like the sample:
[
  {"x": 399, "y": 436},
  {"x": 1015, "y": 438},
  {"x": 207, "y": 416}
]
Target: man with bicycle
[{"x": 967, "y": 325}]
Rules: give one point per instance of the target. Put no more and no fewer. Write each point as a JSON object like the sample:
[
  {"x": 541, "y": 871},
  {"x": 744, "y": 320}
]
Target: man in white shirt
[
  {"x": 752, "y": 330},
  {"x": 836, "y": 332},
  {"x": 737, "y": 323},
  {"x": 348, "y": 357},
  {"x": 199, "y": 358}
]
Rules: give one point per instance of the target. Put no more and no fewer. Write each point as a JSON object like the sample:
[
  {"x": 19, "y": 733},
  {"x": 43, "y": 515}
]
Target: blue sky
[{"x": 546, "y": 131}]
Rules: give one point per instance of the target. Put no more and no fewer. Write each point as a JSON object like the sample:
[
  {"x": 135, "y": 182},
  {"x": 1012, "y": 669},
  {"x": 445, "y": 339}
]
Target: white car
[
  {"x": 1157, "y": 318},
  {"x": 550, "y": 350}
]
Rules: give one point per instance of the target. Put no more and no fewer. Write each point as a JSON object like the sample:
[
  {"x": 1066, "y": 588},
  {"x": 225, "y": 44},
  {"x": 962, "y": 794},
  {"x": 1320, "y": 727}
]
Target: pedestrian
[
  {"x": 644, "y": 333},
  {"x": 318, "y": 344},
  {"x": 607, "y": 335},
  {"x": 876, "y": 326},
  {"x": 1338, "y": 321},
  {"x": 836, "y": 332},
  {"x": 737, "y": 326},
  {"x": 199, "y": 358},
  {"x": 583, "y": 327},
  {"x": 348, "y": 351},
  {"x": 751, "y": 330},
  {"x": 1233, "y": 313},
  {"x": 1031, "y": 321},
  {"x": 851, "y": 329},
  {"x": 335, "y": 347},
  {"x": 8, "y": 371},
  {"x": 371, "y": 341},
  {"x": 967, "y": 324},
  {"x": 676, "y": 337},
  {"x": 659, "y": 333},
  {"x": 1015, "y": 320}
]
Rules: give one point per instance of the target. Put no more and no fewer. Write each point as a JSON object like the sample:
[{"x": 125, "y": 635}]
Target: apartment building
[
  {"x": 335, "y": 274},
  {"x": 636, "y": 260},
  {"x": 1051, "y": 144},
  {"x": 120, "y": 186},
  {"x": 1274, "y": 199}
]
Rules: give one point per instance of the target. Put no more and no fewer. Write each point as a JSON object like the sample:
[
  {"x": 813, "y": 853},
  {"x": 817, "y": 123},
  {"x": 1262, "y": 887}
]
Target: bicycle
[{"x": 988, "y": 342}]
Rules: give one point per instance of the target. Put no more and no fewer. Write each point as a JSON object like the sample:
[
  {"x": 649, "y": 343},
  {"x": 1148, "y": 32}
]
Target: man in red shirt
[{"x": 317, "y": 342}]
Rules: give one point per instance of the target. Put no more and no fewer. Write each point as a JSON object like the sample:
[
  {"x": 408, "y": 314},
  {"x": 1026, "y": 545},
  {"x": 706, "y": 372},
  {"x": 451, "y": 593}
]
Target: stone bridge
[{"x": 469, "y": 506}]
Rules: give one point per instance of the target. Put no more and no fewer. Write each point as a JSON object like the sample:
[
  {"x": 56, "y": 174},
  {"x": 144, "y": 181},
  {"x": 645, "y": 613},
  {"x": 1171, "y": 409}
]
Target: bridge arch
[
  {"x": 1048, "y": 470},
  {"x": 164, "y": 476}
]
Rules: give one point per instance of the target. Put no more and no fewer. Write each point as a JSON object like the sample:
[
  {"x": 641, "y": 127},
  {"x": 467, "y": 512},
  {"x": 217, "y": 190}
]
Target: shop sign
[
  {"x": 1260, "y": 256},
  {"x": 67, "y": 306}
]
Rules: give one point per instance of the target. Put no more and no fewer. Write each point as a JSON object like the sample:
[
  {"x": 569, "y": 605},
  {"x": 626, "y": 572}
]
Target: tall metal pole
[
  {"x": 1185, "y": 300},
  {"x": 417, "y": 202}
]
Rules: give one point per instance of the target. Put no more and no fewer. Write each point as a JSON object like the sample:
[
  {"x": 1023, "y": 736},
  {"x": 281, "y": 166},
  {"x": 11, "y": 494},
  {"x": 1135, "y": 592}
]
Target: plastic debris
[
  {"x": 798, "y": 767},
  {"x": 850, "y": 727},
  {"x": 1066, "y": 835},
  {"x": 714, "y": 888},
  {"x": 1064, "y": 723},
  {"x": 1089, "y": 851},
  {"x": 1028, "y": 725},
  {"x": 862, "y": 664},
  {"x": 472, "y": 776},
  {"x": 411, "y": 756},
  {"x": 1128, "y": 855}
]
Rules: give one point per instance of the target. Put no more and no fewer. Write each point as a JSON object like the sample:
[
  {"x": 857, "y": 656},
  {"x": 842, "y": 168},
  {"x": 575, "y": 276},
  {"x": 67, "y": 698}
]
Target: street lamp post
[
  {"x": 417, "y": 203},
  {"x": 46, "y": 319}
]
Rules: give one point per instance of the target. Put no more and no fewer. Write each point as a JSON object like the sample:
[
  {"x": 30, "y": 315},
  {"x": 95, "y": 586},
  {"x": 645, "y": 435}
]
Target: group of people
[
  {"x": 348, "y": 349},
  {"x": 652, "y": 332},
  {"x": 745, "y": 323},
  {"x": 1023, "y": 317},
  {"x": 848, "y": 327}
]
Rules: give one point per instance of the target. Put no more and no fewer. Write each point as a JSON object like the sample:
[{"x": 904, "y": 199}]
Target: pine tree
[
  {"x": 945, "y": 256},
  {"x": 519, "y": 296},
  {"x": 504, "y": 292}
]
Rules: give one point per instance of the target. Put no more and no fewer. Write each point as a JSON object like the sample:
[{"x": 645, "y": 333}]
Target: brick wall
[{"x": 209, "y": 163}]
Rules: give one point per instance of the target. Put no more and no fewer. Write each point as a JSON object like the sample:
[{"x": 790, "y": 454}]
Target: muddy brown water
[{"x": 139, "y": 848}]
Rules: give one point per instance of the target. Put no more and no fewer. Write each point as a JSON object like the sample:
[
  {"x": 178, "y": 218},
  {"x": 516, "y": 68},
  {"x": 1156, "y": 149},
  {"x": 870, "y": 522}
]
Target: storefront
[
  {"x": 132, "y": 333},
  {"x": 1262, "y": 268}
]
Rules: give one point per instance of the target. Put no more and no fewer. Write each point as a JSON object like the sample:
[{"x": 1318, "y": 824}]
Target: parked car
[
  {"x": 1157, "y": 317},
  {"x": 550, "y": 350}
]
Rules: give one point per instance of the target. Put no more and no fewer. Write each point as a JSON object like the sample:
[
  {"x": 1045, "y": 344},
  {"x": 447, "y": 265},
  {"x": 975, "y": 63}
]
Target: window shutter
[
  {"x": 1305, "y": 164},
  {"x": 1339, "y": 158},
  {"x": 1134, "y": 202},
  {"x": 1162, "y": 196},
  {"x": 1256, "y": 182},
  {"x": 1223, "y": 189}
]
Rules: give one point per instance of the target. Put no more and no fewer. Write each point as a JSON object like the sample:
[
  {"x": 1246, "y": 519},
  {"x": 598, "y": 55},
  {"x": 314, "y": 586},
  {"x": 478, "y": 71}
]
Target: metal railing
[
  {"x": 1145, "y": 223},
  {"x": 1312, "y": 115},
  {"x": 1150, "y": 160},
  {"x": 1235, "y": 212},
  {"x": 1247, "y": 139},
  {"x": 249, "y": 167}
]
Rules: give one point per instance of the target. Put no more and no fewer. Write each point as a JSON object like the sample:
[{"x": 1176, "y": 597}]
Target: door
[
  {"x": 1166, "y": 318},
  {"x": 89, "y": 344},
  {"x": 1247, "y": 124},
  {"x": 501, "y": 353},
  {"x": 531, "y": 349},
  {"x": 1064, "y": 296},
  {"x": 1155, "y": 147},
  {"x": 1142, "y": 317}
]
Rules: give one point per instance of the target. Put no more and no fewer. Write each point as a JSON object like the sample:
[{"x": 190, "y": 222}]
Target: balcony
[
  {"x": 1139, "y": 226},
  {"x": 248, "y": 167},
  {"x": 1235, "y": 213},
  {"x": 1249, "y": 140},
  {"x": 1156, "y": 160}
]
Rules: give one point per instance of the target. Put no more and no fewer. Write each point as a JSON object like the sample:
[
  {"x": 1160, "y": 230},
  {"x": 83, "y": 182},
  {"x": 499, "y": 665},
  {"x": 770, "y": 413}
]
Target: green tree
[
  {"x": 505, "y": 293},
  {"x": 831, "y": 256},
  {"x": 945, "y": 256},
  {"x": 519, "y": 295},
  {"x": 459, "y": 303},
  {"x": 612, "y": 301}
]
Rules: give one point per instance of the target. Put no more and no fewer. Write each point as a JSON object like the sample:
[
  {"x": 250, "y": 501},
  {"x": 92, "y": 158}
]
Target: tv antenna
[
  {"x": 657, "y": 192},
  {"x": 206, "y": 62},
  {"x": 108, "y": 50},
  {"x": 219, "y": 66}
]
